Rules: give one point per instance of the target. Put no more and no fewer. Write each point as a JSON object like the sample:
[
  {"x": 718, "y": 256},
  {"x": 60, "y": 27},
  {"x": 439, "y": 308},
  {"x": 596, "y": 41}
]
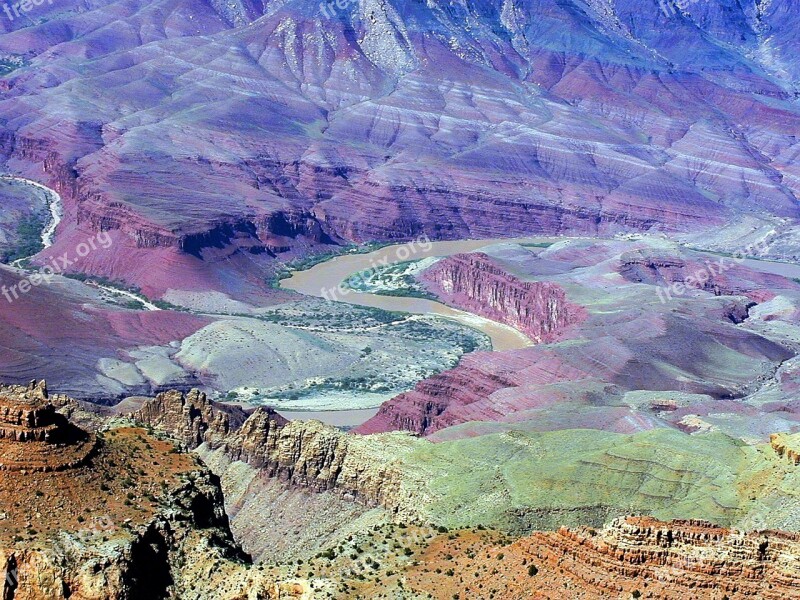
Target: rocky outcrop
[
  {"x": 185, "y": 551},
  {"x": 678, "y": 559},
  {"x": 306, "y": 454},
  {"x": 723, "y": 276},
  {"x": 424, "y": 409},
  {"x": 34, "y": 437},
  {"x": 138, "y": 520},
  {"x": 629, "y": 558},
  {"x": 190, "y": 418},
  {"x": 786, "y": 446},
  {"x": 473, "y": 282}
]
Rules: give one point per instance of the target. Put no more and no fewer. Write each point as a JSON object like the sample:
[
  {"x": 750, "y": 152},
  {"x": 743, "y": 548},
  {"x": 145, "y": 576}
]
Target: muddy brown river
[{"x": 324, "y": 278}]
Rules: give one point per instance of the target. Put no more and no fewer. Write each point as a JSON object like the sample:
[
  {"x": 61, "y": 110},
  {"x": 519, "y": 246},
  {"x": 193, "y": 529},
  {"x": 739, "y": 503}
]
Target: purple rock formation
[
  {"x": 700, "y": 343},
  {"x": 214, "y": 135}
]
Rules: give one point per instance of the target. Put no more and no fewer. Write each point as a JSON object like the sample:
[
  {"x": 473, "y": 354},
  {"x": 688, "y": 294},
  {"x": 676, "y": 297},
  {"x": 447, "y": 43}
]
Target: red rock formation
[
  {"x": 632, "y": 557},
  {"x": 678, "y": 559},
  {"x": 472, "y": 391},
  {"x": 473, "y": 282},
  {"x": 424, "y": 409}
]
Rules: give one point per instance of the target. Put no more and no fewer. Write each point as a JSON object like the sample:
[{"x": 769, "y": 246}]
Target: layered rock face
[
  {"x": 388, "y": 119},
  {"x": 424, "y": 409},
  {"x": 721, "y": 277},
  {"x": 306, "y": 454},
  {"x": 631, "y": 557},
  {"x": 190, "y": 418},
  {"x": 473, "y": 282},
  {"x": 34, "y": 437},
  {"x": 678, "y": 559}
]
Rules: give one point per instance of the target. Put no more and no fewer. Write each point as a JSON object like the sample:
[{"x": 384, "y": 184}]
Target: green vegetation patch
[
  {"x": 29, "y": 239},
  {"x": 526, "y": 480},
  {"x": 398, "y": 279}
]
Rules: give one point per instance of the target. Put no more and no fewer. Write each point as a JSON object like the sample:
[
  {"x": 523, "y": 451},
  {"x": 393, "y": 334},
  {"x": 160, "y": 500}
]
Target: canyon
[
  {"x": 620, "y": 330},
  {"x": 394, "y": 486},
  {"x": 358, "y": 475},
  {"x": 528, "y": 134},
  {"x": 581, "y": 381}
]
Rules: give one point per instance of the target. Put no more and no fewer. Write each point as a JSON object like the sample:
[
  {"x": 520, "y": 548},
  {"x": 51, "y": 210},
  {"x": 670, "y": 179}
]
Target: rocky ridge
[
  {"x": 679, "y": 559},
  {"x": 786, "y": 446},
  {"x": 307, "y": 454},
  {"x": 631, "y": 557}
]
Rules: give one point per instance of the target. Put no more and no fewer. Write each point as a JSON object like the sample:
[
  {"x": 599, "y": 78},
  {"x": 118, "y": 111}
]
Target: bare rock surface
[{"x": 135, "y": 519}]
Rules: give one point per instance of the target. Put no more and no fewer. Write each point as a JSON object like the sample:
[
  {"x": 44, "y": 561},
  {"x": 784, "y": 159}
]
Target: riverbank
[{"x": 321, "y": 280}]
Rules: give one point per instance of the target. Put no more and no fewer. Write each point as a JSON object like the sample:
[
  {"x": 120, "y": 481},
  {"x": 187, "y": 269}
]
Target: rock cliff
[
  {"x": 138, "y": 520},
  {"x": 786, "y": 446},
  {"x": 424, "y": 409},
  {"x": 473, "y": 282},
  {"x": 191, "y": 418},
  {"x": 678, "y": 559},
  {"x": 305, "y": 454}
]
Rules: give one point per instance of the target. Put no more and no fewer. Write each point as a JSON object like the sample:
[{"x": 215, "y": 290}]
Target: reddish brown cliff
[
  {"x": 680, "y": 559},
  {"x": 443, "y": 400},
  {"x": 474, "y": 283}
]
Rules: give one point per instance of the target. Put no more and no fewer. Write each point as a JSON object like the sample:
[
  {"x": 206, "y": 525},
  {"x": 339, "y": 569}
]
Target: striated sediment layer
[
  {"x": 473, "y": 282},
  {"x": 392, "y": 120},
  {"x": 34, "y": 437},
  {"x": 679, "y": 559},
  {"x": 305, "y": 454},
  {"x": 630, "y": 557}
]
